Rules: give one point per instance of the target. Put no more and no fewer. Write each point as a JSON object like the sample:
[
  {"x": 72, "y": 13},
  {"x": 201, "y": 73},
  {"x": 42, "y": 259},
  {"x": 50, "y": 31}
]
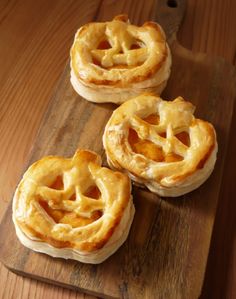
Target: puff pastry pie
[
  {"x": 113, "y": 61},
  {"x": 160, "y": 144},
  {"x": 73, "y": 208}
]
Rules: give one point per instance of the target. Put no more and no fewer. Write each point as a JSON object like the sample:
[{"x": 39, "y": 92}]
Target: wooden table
[{"x": 35, "y": 37}]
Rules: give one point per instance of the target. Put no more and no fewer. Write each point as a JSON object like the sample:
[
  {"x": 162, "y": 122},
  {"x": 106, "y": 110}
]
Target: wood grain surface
[{"x": 23, "y": 101}]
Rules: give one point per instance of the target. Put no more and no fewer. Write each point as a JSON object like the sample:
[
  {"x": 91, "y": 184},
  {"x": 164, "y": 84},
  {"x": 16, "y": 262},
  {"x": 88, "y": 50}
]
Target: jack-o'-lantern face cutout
[
  {"x": 118, "y": 52},
  {"x": 159, "y": 142},
  {"x": 71, "y": 203}
]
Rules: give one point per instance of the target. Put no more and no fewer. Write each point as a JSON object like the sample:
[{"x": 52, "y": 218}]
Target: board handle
[{"x": 169, "y": 14}]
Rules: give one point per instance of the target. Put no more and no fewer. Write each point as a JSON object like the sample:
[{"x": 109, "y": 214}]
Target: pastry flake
[
  {"x": 113, "y": 61},
  {"x": 160, "y": 144},
  {"x": 73, "y": 208}
]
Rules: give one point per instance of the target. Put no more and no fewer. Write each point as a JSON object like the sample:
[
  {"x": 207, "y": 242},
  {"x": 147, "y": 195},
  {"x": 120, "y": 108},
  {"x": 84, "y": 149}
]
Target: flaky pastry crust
[
  {"x": 113, "y": 61},
  {"x": 73, "y": 208},
  {"x": 160, "y": 144}
]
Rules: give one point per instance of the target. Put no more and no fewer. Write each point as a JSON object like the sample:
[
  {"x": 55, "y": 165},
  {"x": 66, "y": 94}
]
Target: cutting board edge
[
  {"x": 175, "y": 43},
  {"x": 56, "y": 283}
]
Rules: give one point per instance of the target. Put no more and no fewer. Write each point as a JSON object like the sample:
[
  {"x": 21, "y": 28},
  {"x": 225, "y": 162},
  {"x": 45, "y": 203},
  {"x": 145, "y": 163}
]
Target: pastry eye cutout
[
  {"x": 123, "y": 51},
  {"x": 121, "y": 56},
  {"x": 160, "y": 144},
  {"x": 118, "y": 55},
  {"x": 73, "y": 208}
]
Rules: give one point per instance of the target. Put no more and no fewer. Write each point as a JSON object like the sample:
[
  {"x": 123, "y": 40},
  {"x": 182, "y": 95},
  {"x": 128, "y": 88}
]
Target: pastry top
[
  {"x": 71, "y": 203},
  {"x": 118, "y": 53},
  {"x": 158, "y": 140}
]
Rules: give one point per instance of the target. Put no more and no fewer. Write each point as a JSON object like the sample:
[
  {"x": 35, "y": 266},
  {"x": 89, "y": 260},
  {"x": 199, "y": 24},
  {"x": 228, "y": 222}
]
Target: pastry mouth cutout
[
  {"x": 109, "y": 58},
  {"x": 73, "y": 208},
  {"x": 160, "y": 144}
]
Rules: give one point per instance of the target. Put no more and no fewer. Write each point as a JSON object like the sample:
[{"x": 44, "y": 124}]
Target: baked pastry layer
[
  {"x": 113, "y": 61},
  {"x": 160, "y": 144},
  {"x": 73, "y": 208}
]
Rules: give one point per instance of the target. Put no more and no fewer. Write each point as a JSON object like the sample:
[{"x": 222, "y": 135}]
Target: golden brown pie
[
  {"x": 113, "y": 61},
  {"x": 73, "y": 208},
  {"x": 160, "y": 144}
]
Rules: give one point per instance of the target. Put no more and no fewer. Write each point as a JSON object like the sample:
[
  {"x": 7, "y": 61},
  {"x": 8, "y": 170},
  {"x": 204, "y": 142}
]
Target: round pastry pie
[
  {"x": 73, "y": 208},
  {"x": 160, "y": 144},
  {"x": 113, "y": 61}
]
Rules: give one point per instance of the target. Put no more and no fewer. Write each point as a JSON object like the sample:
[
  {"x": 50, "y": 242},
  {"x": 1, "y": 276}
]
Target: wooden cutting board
[{"x": 166, "y": 252}]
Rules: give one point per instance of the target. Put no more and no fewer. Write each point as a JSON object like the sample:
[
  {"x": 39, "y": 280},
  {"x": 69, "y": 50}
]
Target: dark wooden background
[{"x": 35, "y": 37}]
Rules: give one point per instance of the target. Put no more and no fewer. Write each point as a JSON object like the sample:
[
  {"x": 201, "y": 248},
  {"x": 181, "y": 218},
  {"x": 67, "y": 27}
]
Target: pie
[
  {"x": 114, "y": 61},
  {"x": 160, "y": 144},
  {"x": 73, "y": 208}
]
